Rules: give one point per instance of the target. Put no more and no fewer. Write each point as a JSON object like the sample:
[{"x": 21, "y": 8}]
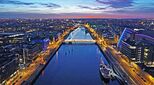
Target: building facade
[{"x": 137, "y": 47}]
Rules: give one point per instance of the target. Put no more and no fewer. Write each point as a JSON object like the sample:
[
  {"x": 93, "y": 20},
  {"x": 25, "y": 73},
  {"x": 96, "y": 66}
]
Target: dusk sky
[{"x": 76, "y": 8}]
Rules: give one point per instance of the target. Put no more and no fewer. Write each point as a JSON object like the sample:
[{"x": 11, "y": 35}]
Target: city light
[{"x": 76, "y": 42}]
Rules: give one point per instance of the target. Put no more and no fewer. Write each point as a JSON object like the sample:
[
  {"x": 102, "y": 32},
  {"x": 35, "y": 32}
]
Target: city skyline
[
  {"x": 76, "y": 9},
  {"x": 106, "y": 50},
  {"x": 76, "y": 42}
]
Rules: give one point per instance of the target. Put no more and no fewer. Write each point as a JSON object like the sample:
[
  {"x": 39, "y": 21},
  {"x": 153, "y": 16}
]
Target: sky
[{"x": 76, "y": 8}]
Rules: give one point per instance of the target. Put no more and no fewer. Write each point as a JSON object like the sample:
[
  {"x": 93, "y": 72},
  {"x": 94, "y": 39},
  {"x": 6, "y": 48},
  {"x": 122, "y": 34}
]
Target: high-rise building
[
  {"x": 137, "y": 46},
  {"x": 127, "y": 33},
  {"x": 145, "y": 53},
  {"x": 9, "y": 62}
]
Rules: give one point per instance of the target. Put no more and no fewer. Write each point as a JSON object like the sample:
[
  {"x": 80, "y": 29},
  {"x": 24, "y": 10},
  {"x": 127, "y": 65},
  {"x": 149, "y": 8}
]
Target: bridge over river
[{"x": 75, "y": 64}]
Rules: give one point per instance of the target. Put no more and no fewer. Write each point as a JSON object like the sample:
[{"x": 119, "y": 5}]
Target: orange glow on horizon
[{"x": 93, "y": 16}]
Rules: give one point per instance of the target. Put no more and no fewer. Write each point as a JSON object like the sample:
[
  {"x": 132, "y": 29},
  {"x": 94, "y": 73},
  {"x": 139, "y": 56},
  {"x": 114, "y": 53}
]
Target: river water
[{"x": 75, "y": 64}]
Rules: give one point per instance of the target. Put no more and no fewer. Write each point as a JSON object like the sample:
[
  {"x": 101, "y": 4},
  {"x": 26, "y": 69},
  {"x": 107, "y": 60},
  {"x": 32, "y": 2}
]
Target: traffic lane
[{"x": 129, "y": 70}]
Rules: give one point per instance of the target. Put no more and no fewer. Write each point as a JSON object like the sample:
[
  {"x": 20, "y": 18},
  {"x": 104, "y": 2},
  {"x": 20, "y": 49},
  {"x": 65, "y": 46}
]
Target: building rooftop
[
  {"x": 147, "y": 32},
  {"x": 2, "y": 34}
]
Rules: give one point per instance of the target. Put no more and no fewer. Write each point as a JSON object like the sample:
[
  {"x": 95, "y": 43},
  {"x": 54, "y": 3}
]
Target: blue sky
[{"x": 77, "y": 8}]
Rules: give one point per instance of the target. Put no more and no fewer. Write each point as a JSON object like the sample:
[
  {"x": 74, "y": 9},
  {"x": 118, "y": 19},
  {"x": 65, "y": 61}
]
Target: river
[{"x": 75, "y": 64}]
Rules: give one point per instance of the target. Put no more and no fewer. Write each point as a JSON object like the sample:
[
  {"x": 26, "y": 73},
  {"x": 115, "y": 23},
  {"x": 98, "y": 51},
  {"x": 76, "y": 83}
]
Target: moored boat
[{"x": 106, "y": 71}]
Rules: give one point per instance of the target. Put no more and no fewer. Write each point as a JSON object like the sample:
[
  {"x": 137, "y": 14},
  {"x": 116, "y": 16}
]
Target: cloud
[
  {"x": 15, "y": 2},
  {"x": 51, "y": 5},
  {"x": 32, "y": 5},
  {"x": 144, "y": 10},
  {"x": 91, "y": 8},
  {"x": 116, "y": 3}
]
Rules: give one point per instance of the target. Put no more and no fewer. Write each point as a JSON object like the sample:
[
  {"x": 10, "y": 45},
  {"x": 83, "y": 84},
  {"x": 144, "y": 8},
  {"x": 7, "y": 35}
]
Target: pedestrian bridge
[{"x": 79, "y": 41}]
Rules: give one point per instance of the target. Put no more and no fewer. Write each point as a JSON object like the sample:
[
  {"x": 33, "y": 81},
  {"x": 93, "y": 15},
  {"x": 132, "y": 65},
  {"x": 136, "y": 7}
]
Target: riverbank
[
  {"x": 113, "y": 63},
  {"x": 50, "y": 53},
  {"x": 71, "y": 61},
  {"x": 41, "y": 67}
]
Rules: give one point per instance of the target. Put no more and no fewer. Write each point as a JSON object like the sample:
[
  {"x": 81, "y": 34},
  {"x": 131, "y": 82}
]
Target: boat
[{"x": 106, "y": 71}]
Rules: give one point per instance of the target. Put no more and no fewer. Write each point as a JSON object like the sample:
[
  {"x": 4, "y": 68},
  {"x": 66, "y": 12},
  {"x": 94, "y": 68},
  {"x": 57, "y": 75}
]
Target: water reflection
[
  {"x": 79, "y": 33},
  {"x": 75, "y": 64},
  {"x": 57, "y": 57}
]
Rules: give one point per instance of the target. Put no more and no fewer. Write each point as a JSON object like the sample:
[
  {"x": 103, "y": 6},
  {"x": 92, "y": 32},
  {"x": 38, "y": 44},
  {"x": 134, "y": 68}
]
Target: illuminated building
[
  {"x": 43, "y": 41},
  {"x": 11, "y": 38},
  {"x": 127, "y": 33},
  {"x": 145, "y": 53},
  {"x": 137, "y": 46},
  {"x": 9, "y": 62}
]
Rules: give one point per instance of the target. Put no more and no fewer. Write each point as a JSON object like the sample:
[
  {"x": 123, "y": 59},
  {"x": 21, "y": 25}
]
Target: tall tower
[{"x": 127, "y": 33}]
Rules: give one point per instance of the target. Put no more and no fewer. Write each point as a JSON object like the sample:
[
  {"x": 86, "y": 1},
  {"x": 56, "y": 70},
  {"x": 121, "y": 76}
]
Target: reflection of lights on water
[
  {"x": 98, "y": 51},
  {"x": 57, "y": 57},
  {"x": 42, "y": 73}
]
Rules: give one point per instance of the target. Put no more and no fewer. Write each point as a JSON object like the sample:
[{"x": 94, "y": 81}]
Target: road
[
  {"x": 23, "y": 74},
  {"x": 119, "y": 69},
  {"x": 136, "y": 75},
  {"x": 133, "y": 70}
]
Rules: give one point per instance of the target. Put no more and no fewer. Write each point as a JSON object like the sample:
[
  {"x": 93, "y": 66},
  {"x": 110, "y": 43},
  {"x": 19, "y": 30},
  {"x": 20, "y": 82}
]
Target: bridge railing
[{"x": 79, "y": 40}]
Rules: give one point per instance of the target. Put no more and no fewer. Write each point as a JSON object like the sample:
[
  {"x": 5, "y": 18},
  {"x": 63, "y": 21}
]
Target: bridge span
[{"x": 79, "y": 41}]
